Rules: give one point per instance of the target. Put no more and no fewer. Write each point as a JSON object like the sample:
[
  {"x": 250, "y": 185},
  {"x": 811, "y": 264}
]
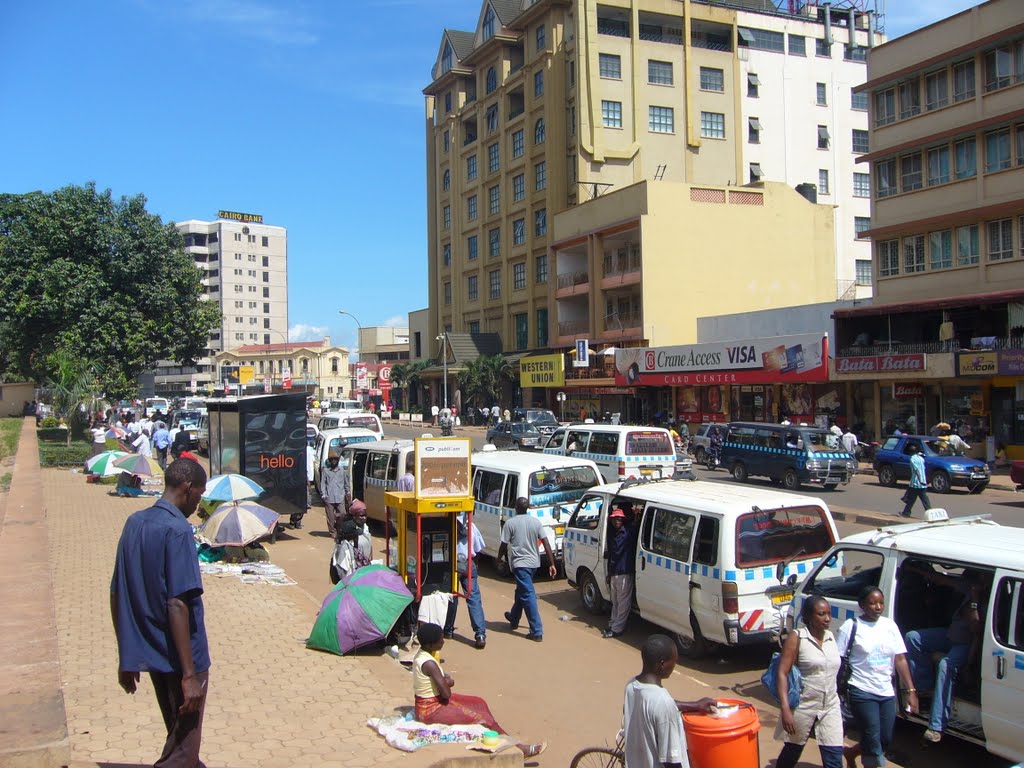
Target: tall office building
[
  {"x": 548, "y": 104},
  {"x": 244, "y": 265}
]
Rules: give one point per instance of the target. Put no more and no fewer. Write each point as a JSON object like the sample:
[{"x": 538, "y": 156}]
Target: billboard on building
[{"x": 542, "y": 371}]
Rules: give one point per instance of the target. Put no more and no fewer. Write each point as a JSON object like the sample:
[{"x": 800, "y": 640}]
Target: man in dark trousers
[
  {"x": 619, "y": 571},
  {"x": 519, "y": 540},
  {"x": 157, "y": 608}
]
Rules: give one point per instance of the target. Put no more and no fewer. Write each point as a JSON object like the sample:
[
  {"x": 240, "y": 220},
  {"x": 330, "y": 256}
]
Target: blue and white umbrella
[
  {"x": 238, "y": 523},
  {"x": 231, "y": 488}
]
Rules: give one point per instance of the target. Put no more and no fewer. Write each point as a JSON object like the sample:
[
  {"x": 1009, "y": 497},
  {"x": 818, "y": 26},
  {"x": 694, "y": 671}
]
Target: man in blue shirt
[
  {"x": 619, "y": 572},
  {"x": 918, "y": 482},
  {"x": 157, "y": 608},
  {"x": 468, "y": 546},
  {"x": 161, "y": 441}
]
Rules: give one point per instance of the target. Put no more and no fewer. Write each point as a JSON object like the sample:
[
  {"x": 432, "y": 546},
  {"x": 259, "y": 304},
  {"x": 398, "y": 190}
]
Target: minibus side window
[
  {"x": 577, "y": 441},
  {"x": 672, "y": 534},
  {"x": 706, "y": 550},
  {"x": 488, "y": 487},
  {"x": 379, "y": 465},
  {"x": 392, "y": 475},
  {"x": 587, "y": 514},
  {"x": 1008, "y": 615},
  {"x": 604, "y": 443},
  {"x": 857, "y": 569},
  {"x": 556, "y": 439},
  {"x": 766, "y": 438},
  {"x": 511, "y": 491}
]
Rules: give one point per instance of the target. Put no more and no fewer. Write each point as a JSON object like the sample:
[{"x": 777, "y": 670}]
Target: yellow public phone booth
[{"x": 427, "y": 517}]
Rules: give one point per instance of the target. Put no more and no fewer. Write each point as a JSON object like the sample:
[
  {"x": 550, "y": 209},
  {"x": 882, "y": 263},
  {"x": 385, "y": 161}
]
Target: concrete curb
[{"x": 33, "y": 721}]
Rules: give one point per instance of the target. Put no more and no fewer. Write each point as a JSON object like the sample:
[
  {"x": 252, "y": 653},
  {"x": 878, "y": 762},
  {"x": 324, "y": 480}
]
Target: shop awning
[{"x": 924, "y": 305}]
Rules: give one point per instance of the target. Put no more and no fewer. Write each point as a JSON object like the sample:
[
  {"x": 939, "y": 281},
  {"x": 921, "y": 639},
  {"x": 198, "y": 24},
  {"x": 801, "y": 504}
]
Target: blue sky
[{"x": 307, "y": 112}]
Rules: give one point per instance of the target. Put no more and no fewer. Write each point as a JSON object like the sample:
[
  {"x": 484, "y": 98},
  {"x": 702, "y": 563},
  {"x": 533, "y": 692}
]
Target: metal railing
[
  {"x": 621, "y": 264},
  {"x": 571, "y": 279},
  {"x": 975, "y": 344},
  {"x": 569, "y": 327},
  {"x": 622, "y": 320}
]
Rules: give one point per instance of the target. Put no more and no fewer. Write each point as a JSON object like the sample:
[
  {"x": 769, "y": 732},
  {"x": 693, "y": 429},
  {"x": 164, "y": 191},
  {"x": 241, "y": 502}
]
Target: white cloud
[
  {"x": 396, "y": 321},
  {"x": 304, "y": 332},
  {"x": 285, "y": 25}
]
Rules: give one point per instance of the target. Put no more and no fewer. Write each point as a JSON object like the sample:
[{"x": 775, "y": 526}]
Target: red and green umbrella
[{"x": 360, "y": 610}]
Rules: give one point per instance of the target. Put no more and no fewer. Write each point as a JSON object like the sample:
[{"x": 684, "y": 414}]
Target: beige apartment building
[
  {"x": 244, "y": 266},
  {"x": 548, "y": 105},
  {"x": 383, "y": 343},
  {"x": 944, "y": 339}
]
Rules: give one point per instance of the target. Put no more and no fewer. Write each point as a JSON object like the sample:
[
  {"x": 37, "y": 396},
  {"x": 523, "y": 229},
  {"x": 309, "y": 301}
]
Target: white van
[
  {"x": 337, "y": 419},
  {"x": 706, "y": 554},
  {"x": 154, "y": 404},
  {"x": 332, "y": 442},
  {"x": 374, "y": 469},
  {"x": 549, "y": 482},
  {"x": 352, "y": 406},
  {"x": 621, "y": 452},
  {"x": 986, "y": 704}
]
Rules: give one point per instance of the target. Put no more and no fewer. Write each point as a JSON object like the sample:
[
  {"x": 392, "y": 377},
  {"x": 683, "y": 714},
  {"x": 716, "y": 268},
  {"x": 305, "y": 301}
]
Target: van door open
[
  {"x": 1002, "y": 675},
  {"x": 663, "y": 553}
]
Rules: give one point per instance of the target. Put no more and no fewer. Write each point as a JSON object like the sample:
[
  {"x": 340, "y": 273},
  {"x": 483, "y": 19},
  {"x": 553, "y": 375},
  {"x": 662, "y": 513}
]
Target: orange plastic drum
[{"x": 723, "y": 741}]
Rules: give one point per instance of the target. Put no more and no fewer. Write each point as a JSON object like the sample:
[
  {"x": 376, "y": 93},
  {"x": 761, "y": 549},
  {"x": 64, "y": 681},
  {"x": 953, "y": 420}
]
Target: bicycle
[{"x": 602, "y": 757}]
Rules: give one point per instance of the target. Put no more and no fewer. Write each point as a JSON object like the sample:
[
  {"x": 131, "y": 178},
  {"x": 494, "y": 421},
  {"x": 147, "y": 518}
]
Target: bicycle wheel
[{"x": 598, "y": 757}]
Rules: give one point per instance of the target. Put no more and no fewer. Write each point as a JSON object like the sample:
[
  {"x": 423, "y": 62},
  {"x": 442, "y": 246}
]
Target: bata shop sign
[
  {"x": 907, "y": 391},
  {"x": 881, "y": 364}
]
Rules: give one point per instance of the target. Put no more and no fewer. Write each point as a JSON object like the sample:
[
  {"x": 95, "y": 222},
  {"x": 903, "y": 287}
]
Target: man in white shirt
[
  {"x": 142, "y": 445},
  {"x": 651, "y": 718},
  {"x": 850, "y": 443}
]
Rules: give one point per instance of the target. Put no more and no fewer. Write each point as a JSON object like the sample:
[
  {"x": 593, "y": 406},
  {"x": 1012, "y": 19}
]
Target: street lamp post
[
  {"x": 443, "y": 338},
  {"x": 358, "y": 334}
]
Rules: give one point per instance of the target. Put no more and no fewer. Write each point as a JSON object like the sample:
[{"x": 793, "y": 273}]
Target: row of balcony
[
  {"x": 610, "y": 324},
  {"x": 620, "y": 268}
]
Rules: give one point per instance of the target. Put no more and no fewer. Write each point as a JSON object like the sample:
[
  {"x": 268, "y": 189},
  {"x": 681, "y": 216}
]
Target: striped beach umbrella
[
  {"x": 238, "y": 523},
  {"x": 231, "y": 488},
  {"x": 138, "y": 464},
  {"x": 103, "y": 463}
]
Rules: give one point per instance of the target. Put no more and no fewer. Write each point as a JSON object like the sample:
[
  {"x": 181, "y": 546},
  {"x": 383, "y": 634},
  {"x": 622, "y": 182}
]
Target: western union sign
[{"x": 542, "y": 371}]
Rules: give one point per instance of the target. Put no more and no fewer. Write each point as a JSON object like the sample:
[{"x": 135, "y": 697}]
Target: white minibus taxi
[
  {"x": 332, "y": 442},
  {"x": 351, "y": 406},
  {"x": 706, "y": 554},
  {"x": 337, "y": 419},
  {"x": 620, "y": 452},
  {"x": 548, "y": 482},
  {"x": 925, "y": 571},
  {"x": 374, "y": 469}
]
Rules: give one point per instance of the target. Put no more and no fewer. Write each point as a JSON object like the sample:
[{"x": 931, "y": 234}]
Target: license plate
[
  {"x": 650, "y": 471},
  {"x": 559, "y": 530},
  {"x": 781, "y": 598}
]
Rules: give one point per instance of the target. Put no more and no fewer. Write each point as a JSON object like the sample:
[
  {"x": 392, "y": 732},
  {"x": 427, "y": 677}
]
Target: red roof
[
  {"x": 286, "y": 347},
  {"x": 947, "y": 302}
]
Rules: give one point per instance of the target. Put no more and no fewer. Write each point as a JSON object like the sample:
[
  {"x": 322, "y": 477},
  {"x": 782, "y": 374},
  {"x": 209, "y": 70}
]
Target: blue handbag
[{"x": 770, "y": 681}]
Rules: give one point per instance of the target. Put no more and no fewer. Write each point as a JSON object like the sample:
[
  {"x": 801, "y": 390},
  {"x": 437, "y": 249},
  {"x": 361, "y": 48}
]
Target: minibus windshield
[
  {"x": 553, "y": 486},
  {"x": 768, "y": 536}
]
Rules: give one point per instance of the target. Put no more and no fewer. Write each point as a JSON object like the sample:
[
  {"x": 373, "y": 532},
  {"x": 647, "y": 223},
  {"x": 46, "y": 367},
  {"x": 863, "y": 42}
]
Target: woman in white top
[
  {"x": 813, "y": 650},
  {"x": 878, "y": 648}
]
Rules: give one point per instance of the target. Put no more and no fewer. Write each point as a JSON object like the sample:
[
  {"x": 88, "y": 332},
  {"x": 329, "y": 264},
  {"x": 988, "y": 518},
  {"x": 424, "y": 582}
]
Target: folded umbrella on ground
[{"x": 238, "y": 523}]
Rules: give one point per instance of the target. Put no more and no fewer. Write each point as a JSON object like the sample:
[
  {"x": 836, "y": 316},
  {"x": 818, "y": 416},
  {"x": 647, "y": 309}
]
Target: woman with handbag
[
  {"x": 873, "y": 645},
  {"x": 812, "y": 649}
]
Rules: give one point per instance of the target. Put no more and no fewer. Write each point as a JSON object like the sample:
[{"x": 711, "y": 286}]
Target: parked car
[
  {"x": 942, "y": 467},
  {"x": 700, "y": 440},
  {"x": 203, "y": 435},
  {"x": 544, "y": 420},
  {"x": 517, "y": 435},
  {"x": 1017, "y": 474}
]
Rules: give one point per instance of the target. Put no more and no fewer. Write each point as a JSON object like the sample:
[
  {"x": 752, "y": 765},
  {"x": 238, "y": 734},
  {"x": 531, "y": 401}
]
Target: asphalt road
[{"x": 568, "y": 689}]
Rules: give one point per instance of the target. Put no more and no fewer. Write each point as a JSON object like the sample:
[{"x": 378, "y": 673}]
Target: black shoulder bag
[{"x": 843, "y": 677}]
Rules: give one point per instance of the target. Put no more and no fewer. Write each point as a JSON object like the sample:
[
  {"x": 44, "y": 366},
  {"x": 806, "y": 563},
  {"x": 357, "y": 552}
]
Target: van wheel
[
  {"x": 790, "y": 480},
  {"x": 887, "y": 476},
  {"x": 694, "y": 647},
  {"x": 940, "y": 482},
  {"x": 698, "y": 456},
  {"x": 739, "y": 471},
  {"x": 590, "y": 594},
  {"x": 831, "y": 486}
]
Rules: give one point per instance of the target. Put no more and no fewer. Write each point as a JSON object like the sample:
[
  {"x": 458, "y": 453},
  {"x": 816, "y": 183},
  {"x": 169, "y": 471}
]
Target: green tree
[
  {"x": 100, "y": 279},
  {"x": 73, "y": 385},
  {"x": 485, "y": 379}
]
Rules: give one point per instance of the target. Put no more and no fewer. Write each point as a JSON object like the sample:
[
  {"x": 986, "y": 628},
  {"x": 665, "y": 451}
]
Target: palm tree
[{"x": 74, "y": 389}]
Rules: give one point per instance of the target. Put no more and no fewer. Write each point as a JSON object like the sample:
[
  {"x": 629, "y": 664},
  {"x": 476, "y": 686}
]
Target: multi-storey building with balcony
[
  {"x": 244, "y": 265},
  {"x": 944, "y": 338}
]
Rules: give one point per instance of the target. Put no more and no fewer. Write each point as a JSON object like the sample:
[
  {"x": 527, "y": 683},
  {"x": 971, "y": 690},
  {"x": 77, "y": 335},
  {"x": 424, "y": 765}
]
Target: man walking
[
  {"x": 850, "y": 442},
  {"x": 161, "y": 441},
  {"x": 619, "y": 572},
  {"x": 157, "y": 608},
  {"x": 918, "y": 482},
  {"x": 468, "y": 546},
  {"x": 519, "y": 540},
  {"x": 336, "y": 493}
]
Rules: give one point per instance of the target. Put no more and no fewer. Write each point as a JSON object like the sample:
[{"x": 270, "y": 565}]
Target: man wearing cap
[{"x": 619, "y": 570}]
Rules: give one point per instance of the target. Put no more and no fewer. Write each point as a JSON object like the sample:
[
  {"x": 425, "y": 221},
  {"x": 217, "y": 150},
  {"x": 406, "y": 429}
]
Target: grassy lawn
[{"x": 10, "y": 431}]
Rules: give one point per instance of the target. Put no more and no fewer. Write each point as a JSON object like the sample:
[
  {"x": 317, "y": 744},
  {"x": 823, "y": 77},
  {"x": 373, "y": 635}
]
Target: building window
[
  {"x": 753, "y": 130},
  {"x": 521, "y": 322},
  {"x": 541, "y": 270},
  {"x": 472, "y": 288},
  {"x": 471, "y": 208},
  {"x": 491, "y": 119},
  {"x": 859, "y": 101},
  {"x": 712, "y": 79},
  {"x": 885, "y": 107},
  {"x": 1020, "y": 144},
  {"x": 542, "y": 328},
  {"x": 823, "y": 181},
  {"x": 540, "y": 222},
  {"x": 863, "y": 275},
  {"x": 910, "y": 172},
  {"x": 938, "y": 165},
  {"x": 518, "y": 187},
  {"x": 266, "y": 293},
  {"x": 447, "y": 217},
  {"x": 756, "y": 174},
  {"x": 518, "y": 231},
  {"x": 540, "y": 175},
  {"x": 889, "y": 258},
  {"x": 570, "y": 74},
  {"x": 446, "y": 58},
  {"x": 538, "y": 131},
  {"x": 797, "y": 45},
  {"x": 265, "y": 242},
  {"x": 446, "y": 254},
  {"x": 910, "y": 98},
  {"x": 822, "y": 48},
  {"x": 517, "y": 143},
  {"x": 936, "y": 90},
  {"x": 570, "y": 119},
  {"x": 966, "y": 156},
  {"x": 997, "y": 150},
  {"x": 470, "y": 167},
  {"x": 493, "y": 158},
  {"x": 1000, "y": 240},
  {"x": 494, "y": 242},
  {"x": 963, "y": 80},
  {"x": 712, "y": 125},
  {"x": 824, "y": 139},
  {"x": 860, "y": 141},
  {"x": 494, "y": 283},
  {"x": 659, "y": 72},
  {"x": 447, "y": 293},
  {"x": 855, "y": 52},
  {"x": 821, "y": 94},
  {"x": 661, "y": 120},
  {"x": 266, "y": 308},
  {"x": 446, "y": 180},
  {"x": 491, "y": 83},
  {"x": 611, "y": 114},
  {"x": 753, "y": 86},
  {"x": 474, "y": 326},
  {"x": 489, "y": 23},
  {"x": 940, "y": 245},
  {"x": 913, "y": 254},
  {"x": 540, "y": 38},
  {"x": 609, "y": 66},
  {"x": 861, "y": 224},
  {"x": 519, "y": 276},
  {"x": 493, "y": 199},
  {"x": 885, "y": 184},
  {"x": 448, "y": 102},
  {"x": 472, "y": 247},
  {"x": 446, "y": 141},
  {"x": 761, "y": 39},
  {"x": 538, "y": 84},
  {"x": 999, "y": 67},
  {"x": 967, "y": 248}
]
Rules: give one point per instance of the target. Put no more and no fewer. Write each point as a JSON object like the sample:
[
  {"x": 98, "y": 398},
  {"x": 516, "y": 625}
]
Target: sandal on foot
[{"x": 532, "y": 750}]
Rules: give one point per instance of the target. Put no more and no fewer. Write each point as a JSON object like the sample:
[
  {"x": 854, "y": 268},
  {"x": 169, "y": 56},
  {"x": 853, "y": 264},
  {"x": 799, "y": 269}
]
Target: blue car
[{"x": 942, "y": 467}]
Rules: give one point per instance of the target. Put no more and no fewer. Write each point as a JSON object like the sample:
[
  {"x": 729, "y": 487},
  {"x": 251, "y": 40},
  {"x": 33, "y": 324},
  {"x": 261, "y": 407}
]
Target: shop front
[
  {"x": 541, "y": 377},
  {"x": 763, "y": 379}
]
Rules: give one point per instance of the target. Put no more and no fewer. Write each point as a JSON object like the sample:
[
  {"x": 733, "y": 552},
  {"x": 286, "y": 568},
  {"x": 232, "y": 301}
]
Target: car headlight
[{"x": 958, "y": 467}]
